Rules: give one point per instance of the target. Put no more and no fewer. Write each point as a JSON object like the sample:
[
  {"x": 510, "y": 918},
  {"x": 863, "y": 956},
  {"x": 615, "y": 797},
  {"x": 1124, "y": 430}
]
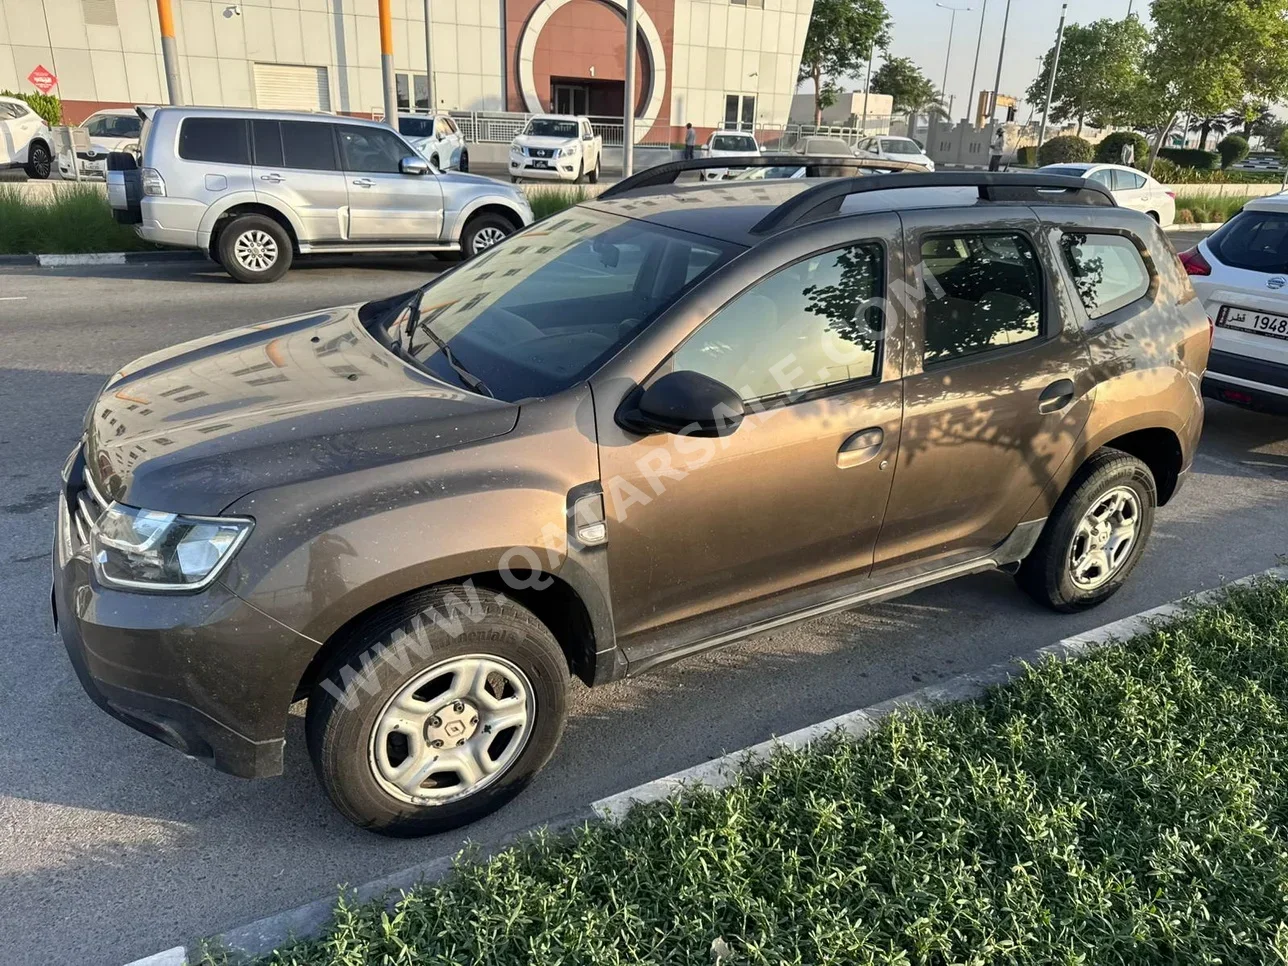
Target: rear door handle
[
  {"x": 272, "y": 178},
  {"x": 1056, "y": 396},
  {"x": 364, "y": 183},
  {"x": 862, "y": 447}
]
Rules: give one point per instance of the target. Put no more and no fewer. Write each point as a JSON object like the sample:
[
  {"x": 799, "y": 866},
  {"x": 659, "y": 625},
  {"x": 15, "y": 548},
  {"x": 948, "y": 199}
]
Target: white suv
[
  {"x": 24, "y": 139},
  {"x": 437, "y": 137},
  {"x": 1241, "y": 273}
]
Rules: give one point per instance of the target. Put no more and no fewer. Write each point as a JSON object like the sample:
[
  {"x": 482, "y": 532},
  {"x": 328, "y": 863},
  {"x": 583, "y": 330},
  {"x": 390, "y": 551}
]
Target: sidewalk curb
[
  {"x": 1199, "y": 226},
  {"x": 100, "y": 258},
  {"x": 261, "y": 936}
]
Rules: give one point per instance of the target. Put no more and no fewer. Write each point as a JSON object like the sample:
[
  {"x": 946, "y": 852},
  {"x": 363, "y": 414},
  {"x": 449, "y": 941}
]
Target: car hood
[
  {"x": 535, "y": 141},
  {"x": 106, "y": 145},
  {"x": 193, "y": 428}
]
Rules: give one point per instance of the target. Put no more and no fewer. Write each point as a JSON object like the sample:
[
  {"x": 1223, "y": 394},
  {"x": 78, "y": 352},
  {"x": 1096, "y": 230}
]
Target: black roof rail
[
  {"x": 1045, "y": 189},
  {"x": 815, "y": 165}
]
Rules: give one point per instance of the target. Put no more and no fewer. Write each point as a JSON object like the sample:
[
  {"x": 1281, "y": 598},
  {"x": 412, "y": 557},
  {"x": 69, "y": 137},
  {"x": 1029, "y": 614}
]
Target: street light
[
  {"x": 1055, "y": 66},
  {"x": 974, "y": 74},
  {"x": 1001, "y": 53},
  {"x": 952, "y": 24}
]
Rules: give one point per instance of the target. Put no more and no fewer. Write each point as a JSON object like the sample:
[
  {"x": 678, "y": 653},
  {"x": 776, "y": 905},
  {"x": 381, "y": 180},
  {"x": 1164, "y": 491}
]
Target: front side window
[
  {"x": 1107, "y": 270},
  {"x": 806, "y": 327},
  {"x": 899, "y": 146},
  {"x": 219, "y": 139},
  {"x": 371, "y": 151},
  {"x": 543, "y": 310},
  {"x": 983, "y": 292}
]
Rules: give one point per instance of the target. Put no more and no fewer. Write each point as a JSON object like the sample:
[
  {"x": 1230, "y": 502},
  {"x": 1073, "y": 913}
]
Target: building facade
[{"x": 707, "y": 62}]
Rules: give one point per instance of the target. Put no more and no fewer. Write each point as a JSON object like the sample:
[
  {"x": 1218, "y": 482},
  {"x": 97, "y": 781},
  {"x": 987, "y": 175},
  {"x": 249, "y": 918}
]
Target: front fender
[{"x": 456, "y": 219}]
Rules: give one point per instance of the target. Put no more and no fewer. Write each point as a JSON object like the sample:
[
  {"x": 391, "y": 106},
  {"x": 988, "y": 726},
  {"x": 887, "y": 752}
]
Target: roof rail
[
  {"x": 1033, "y": 189},
  {"x": 667, "y": 173}
]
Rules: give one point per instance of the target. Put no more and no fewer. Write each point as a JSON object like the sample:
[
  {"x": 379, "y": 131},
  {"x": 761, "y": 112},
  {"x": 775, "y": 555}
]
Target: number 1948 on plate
[{"x": 1250, "y": 321}]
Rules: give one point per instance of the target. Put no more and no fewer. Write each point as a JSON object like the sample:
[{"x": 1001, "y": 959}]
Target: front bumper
[
  {"x": 561, "y": 169},
  {"x": 205, "y": 673}
]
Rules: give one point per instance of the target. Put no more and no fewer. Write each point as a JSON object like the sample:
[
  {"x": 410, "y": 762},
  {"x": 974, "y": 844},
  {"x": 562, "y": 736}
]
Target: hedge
[
  {"x": 1066, "y": 149},
  {"x": 1232, "y": 149},
  {"x": 1191, "y": 158},
  {"x": 1110, "y": 150}
]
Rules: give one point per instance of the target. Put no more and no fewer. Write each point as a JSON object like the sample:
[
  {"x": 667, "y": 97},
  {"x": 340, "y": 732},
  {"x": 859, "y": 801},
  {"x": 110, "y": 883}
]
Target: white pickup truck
[{"x": 557, "y": 147}]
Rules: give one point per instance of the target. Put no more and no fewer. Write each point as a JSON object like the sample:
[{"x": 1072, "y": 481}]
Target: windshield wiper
[{"x": 413, "y": 324}]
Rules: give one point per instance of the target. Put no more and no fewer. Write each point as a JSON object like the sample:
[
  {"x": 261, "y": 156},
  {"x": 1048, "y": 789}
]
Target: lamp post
[
  {"x": 1001, "y": 53},
  {"x": 974, "y": 74},
  {"x": 952, "y": 24},
  {"x": 429, "y": 66},
  {"x": 867, "y": 84},
  {"x": 169, "y": 52},
  {"x": 387, "y": 63},
  {"x": 628, "y": 115},
  {"x": 1055, "y": 66}
]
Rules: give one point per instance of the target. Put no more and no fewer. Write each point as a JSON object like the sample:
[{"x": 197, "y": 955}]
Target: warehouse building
[{"x": 708, "y": 62}]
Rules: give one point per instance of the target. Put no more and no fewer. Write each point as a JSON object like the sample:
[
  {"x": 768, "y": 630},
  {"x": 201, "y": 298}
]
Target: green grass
[
  {"x": 551, "y": 201},
  {"x": 72, "y": 221},
  {"x": 1127, "y": 808},
  {"x": 1199, "y": 209}
]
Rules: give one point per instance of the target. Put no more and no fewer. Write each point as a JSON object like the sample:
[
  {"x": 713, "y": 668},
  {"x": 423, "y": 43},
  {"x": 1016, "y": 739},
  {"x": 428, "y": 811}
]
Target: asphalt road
[{"x": 115, "y": 846}]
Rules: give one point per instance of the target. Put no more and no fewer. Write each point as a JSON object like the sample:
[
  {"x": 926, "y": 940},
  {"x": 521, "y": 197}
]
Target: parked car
[
  {"x": 824, "y": 147},
  {"x": 1130, "y": 188},
  {"x": 255, "y": 188},
  {"x": 557, "y": 147},
  {"x": 24, "y": 139},
  {"x": 114, "y": 129},
  {"x": 728, "y": 144},
  {"x": 895, "y": 148},
  {"x": 1241, "y": 273},
  {"x": 437, "y": 137},
  {"x": 669, "y": 419}
]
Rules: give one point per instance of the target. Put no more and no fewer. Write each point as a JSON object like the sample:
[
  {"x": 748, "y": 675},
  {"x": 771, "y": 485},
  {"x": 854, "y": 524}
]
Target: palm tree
[
  {"x": 1206, "y": 126},
  {"x": 921, "y": 99}
]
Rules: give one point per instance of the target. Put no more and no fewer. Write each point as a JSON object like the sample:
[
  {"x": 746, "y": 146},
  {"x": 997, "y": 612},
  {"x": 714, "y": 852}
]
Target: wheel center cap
[{"x": 453, "y": 725}]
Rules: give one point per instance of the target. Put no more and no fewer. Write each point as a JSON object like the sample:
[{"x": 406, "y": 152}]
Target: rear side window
[
  {"x": 1107, "y": 271},
  {"x": 219, "y": 139},
  {"x": 1127, "y": 180},
  {"x": 266, "y": 142},
  {"x": 309, "y": 145},
  {"x": 1254, "y": 240},
  {"x": 983, "y": 292}
]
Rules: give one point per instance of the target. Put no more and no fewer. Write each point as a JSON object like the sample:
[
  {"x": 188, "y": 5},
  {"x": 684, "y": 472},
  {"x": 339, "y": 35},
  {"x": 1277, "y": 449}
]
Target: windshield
[
  {"x": 825, "y": 146},
  {"x": 549, "y": 127},
  {"x": 899, "y": 146},
  {"x": 416, "y": 127},
  {"x": 543, "y": 310},
  {"x": 113, "y": 126},
  {"x": 732, "y": 142}
]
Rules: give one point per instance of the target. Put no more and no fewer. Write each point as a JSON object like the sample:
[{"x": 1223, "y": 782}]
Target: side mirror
[
  {"x": 687, "y": 403},
  {"x": 413, "y": 165},
  {"x": 588, "y": 137}
]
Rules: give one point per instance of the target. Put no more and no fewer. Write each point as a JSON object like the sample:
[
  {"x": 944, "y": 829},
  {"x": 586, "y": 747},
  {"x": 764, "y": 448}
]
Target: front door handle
[
  {"x": 272, "y": 178},
  {"x": 862, "y": 447},
  {"x": 1056, "y": 396},
  {"x": 364, "y": 183}
]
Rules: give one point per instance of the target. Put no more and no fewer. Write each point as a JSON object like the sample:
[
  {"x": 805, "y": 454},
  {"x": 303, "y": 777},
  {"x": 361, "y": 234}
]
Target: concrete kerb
[{"x": 266, "y": 934}]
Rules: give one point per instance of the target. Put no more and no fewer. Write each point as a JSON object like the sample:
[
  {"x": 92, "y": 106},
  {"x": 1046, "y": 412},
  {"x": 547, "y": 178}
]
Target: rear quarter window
[
  {"x": 219, "y": 139},
  {"x": 1107, "y": 271}
]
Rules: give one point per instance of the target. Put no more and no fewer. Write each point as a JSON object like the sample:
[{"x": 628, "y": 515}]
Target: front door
[
  {"x": 996, "y": 390},
  {"x": 384, "y": 203},
  {"x": 698, "y": 528}
]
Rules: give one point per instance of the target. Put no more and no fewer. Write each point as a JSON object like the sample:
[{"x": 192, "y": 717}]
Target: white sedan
[
  {"x": 1241, "y": 274},
  {"x": 1130, "y": 188},
  {"x": 728, "y": 144},
  {"x": 896, "y": 149},
  {"x": 114, "y": 129}
]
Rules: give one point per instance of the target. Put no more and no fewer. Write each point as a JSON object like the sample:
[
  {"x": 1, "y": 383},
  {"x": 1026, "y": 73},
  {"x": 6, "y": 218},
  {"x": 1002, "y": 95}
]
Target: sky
[{"x": 921, "y": 33}]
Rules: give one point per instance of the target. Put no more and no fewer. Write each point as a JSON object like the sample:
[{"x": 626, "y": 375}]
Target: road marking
[{"x": 13, "y": 298}]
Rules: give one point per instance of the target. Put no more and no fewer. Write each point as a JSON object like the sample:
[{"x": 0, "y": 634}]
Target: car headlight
[
  {"x": 517, "y": 151},
  {"x": 568, "y": 152},
  {"x": 151, "y": 550}
]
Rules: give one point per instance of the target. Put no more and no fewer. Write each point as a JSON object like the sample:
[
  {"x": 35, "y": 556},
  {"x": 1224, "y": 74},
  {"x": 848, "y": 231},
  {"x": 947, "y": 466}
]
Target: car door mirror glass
[
  {"x": 411, "y": 165},
  {"x": 688, "y": 403}
]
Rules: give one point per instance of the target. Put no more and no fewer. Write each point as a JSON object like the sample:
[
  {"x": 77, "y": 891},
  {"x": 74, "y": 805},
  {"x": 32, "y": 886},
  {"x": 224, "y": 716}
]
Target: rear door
[
  {"x": 297, "y": 169},
  {"x": 996, "y": 385},
  {"x": 386, "y": 205},
  {"x": 1129, "y": 189}
]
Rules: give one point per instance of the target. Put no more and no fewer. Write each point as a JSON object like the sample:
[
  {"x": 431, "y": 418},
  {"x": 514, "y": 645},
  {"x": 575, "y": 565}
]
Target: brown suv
[{"x": 655, "y": 423}]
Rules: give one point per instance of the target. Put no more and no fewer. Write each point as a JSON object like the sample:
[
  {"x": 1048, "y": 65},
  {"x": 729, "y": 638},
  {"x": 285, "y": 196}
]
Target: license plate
[
  {"x": 1249, "y": 320},
  {"x": 541, "y": 164}
]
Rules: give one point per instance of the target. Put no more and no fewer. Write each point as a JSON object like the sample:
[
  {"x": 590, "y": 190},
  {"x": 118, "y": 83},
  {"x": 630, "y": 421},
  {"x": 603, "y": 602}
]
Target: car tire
[
  {"x": 465, "y": 162},
  {"x": 594, "y": 175},
  {"x": 482, "y": 232},
  {"x": 254, "y": 248},
  {"x": 1111, "y": 499},
  {"x": 513, "y": 180},
  {"x": 372, "y": 740},
  {"x": 39, "y": 161},
  {"x": 1154, "y": 215}
]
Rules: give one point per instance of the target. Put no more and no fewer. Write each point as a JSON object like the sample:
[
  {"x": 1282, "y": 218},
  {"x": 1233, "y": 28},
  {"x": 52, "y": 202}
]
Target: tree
[
  {"x": 1206, "y": 126},
  {"x": 1100, "y": 76},
  {"x": 913, "y": 92},
  {"x": 842, "y": 36}
]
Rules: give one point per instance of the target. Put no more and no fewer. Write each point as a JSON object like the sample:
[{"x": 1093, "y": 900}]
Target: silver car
[{"x": 255, "y": 188}]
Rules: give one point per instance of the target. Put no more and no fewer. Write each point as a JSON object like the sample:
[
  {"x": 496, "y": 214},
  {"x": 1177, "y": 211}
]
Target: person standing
[
  {"x": 997, "y": 148},
  {"x": 690, "y": 141},
  {"x": 1128, "y": 156}
]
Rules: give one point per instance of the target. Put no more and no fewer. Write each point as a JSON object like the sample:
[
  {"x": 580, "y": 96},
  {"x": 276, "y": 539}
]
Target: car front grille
[
  {"x": 87, "y": 506},
  {"x": 541, "y": 152}
]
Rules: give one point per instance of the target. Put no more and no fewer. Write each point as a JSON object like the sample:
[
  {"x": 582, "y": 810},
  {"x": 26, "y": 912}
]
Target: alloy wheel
[
  {"x": 485, "y": 238},
  {"x": 1104, "y": 539},
  {"x": 255, "y": 250}
]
